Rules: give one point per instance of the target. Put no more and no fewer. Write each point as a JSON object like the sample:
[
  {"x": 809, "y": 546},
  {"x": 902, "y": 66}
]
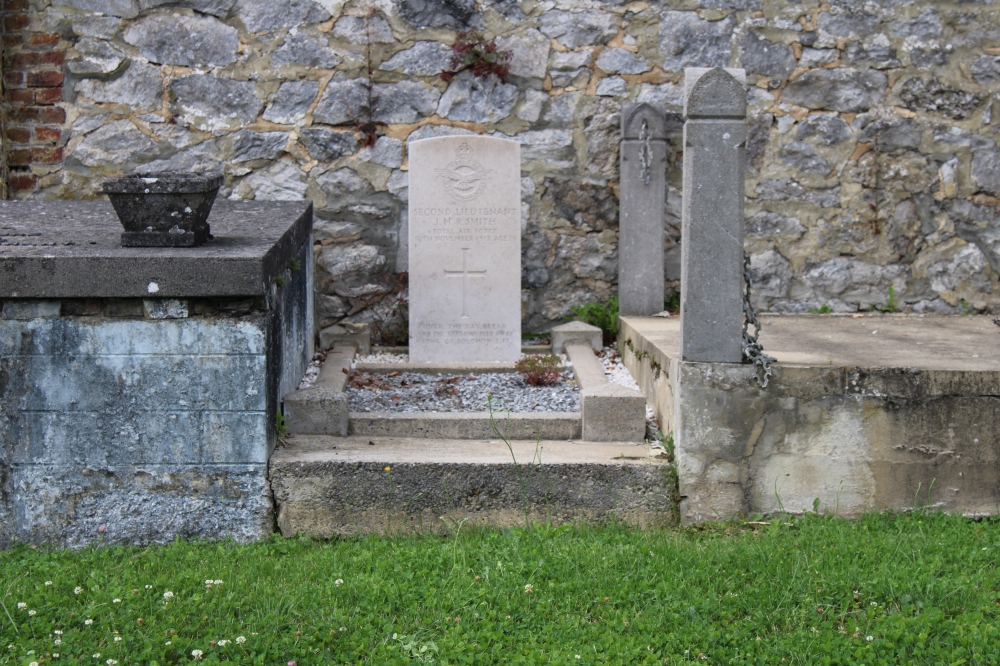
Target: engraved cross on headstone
[{"x": 465, "y": 274}]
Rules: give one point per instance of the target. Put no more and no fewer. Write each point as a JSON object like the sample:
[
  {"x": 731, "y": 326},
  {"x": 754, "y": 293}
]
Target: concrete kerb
[
  {"x": 322, "y": 408},
  {"x": 576, "y": 332},
  {"x": 610, "y": 412}
]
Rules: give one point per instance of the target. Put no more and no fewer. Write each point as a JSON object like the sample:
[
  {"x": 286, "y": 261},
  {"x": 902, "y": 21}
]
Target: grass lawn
[{"x": 886, "y": 589}]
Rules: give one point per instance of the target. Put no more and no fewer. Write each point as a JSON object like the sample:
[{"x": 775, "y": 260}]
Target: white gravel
[
  {"x": 382, "y": 358},
  {"x": 415, "y": 392},
  {"x": 615, "y": 369},
  {"x": 312, "y": 372}
]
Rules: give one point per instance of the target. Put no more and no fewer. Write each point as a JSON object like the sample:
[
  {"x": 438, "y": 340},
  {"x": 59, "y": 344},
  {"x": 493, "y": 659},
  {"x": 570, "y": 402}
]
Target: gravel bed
[
  {"x": 382, "y": 358},
  {"x": 312, "y": 372},
  {"x": 616, "y": 370},
  {"x": 415, "y": 392}
]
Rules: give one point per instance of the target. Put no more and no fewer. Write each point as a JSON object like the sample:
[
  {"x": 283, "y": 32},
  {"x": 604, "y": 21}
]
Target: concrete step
[
  {"x": 465, "y": 425},
  {"x": 329, "y": 486}
]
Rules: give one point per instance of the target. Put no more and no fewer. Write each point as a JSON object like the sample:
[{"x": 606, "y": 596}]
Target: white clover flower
[
  {"x": 116, "y": 601},
  {"x": 529, "y": 588},
  {"x": 222, "y": 642},
  {"x": 97, "y": 655},
  {"x": 21, "y": 605},
  {"x": 342, "y": 629},
  {"x": 217, "y": 582},
  {"x": 34, "y": 663},
  {"x": 32, "y": 612},
  {"x": 168, "y": 595},
  {"x": 57, "y": 641},
  {"x": 338, "y": 582},
  {"x": 874, "y": 603},
  {"x": 48, "y": 582},
  {"x": 196, "y": 654},
  {"x": 88, "y": 622},
  {"x": 149, "y": 587},
  {"x": 167, "y": 643},
  {"x": 57, "y": 632},
  {"x": 240, "y": 640},
  {"x": 118, "y": 639},
  {"x": 77, "y": 590},
  {"x": 869, "y": 638},
  {"x": 55, "y": 655},
  {"x": 111, "y": 662}
]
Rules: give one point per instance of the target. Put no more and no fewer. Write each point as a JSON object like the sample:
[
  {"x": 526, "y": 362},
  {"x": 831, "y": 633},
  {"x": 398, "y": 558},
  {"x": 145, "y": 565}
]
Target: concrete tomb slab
[
  {"x": 465, "y": 249},
  {"x": 139, "y": 388},
  {"x": 869, "y": 413}
]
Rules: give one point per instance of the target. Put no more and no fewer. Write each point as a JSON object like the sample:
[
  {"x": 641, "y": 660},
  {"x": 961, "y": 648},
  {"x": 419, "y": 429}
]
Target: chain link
[
  {"x": 645, "y": 152},
  {"x": 753, "y": 352}
]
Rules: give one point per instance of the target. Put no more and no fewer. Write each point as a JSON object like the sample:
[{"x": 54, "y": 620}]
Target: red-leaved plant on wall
[{"x": 471, "y": 51}]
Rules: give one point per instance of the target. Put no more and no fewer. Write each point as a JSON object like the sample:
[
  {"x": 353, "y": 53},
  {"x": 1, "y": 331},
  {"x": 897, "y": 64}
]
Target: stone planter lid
[{"x": 163, "y": 182}]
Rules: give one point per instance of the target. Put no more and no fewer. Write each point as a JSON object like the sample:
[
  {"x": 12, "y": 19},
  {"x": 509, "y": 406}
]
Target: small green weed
[
  {"x": 823, "y": 309},
  {"x": 672, "y": 303},
  {"x": 966, "y": 308},
  {"x": 280, "y": 427},
  {"x": 279, "y": 280},
  {"x": 891, "y": 305},
  {"x": 605, "y": 317},
  {"x": 539, "y": 370},
  {"x": 295, "y": 264}
]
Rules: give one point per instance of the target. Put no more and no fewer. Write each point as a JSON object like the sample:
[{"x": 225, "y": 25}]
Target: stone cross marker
[
  {"x": 640, "y": 222},
  {"x": 465, "y": 249},
  {"x": 715, "y": 134}
]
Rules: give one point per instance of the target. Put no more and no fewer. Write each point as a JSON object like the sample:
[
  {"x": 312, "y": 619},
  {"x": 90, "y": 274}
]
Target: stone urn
[{"x": 164, "y": 209}]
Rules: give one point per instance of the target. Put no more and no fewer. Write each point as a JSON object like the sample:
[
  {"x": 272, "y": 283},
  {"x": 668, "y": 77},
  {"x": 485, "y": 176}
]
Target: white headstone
[{"x": 465, "y": 249}]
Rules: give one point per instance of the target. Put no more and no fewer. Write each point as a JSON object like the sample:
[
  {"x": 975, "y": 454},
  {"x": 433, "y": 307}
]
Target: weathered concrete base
[
  {"x": 326, "y": 487},
  {"x": 139, "y": 504},
  {"x": 861, "y": 414}
]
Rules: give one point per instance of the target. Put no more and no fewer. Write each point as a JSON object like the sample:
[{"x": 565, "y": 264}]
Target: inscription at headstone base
[{"x": 465, "y": 249}]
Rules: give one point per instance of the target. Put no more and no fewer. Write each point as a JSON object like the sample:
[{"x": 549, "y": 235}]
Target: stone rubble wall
[{"x": 872, "y": 158}]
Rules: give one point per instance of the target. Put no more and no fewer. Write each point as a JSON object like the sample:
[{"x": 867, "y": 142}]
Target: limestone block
[
  {"x": 317, "y": 410},
  {"x": 95, "y": 57},
  {"x": 140, "y": 86},
  {"x": 291, "y": 102},
  {"x": 249, "y": 145},
  {"x": 188, "y": 41},
  {"x": 346, "y": 334},
  {"x": 326, "y": 145},
  {"x": 211, "y": 103},
  {"x": 842, "y": 89},
  {"x": 613, "y": 413},
  {"x": 576, "y": 331},
  {"x": 302, "y": 50}
]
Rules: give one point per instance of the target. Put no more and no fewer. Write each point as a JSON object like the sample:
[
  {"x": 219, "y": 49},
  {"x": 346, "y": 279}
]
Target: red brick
[
  {"x": 20, "y": 96},
  {"x": 49, "y": 134},
  {"x": 44, "y": 79},
  {"x": 49, "y": 115},
  {"x": 44, "y": 38},
  {"x": 34, "y": 58},
  {"x": 17, "y": 5},
  {"x": 46, "y": 155},
  {"x": 16, "y": 22},
  {"x": 48, "y": 95},
  {"x": 11, "y": 41},
  {"x": 13, "y": 79},
  {"x": 19, "y": 134},
  {"x": 23, "y": 181},
  {"x": 19, "y": 158}
]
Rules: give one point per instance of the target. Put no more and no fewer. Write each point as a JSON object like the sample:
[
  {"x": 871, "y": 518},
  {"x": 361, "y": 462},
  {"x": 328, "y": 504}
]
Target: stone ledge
[
  {"x": 466, "y": 425},
  {"x": 328, "y": 487},
  {"x": 71, "y": 249}
]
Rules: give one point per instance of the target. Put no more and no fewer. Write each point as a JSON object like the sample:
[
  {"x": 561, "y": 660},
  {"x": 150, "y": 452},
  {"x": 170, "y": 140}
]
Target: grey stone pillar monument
[
  {"x": 715, "y": 103},
  {"x": 640, "y": 221}
]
